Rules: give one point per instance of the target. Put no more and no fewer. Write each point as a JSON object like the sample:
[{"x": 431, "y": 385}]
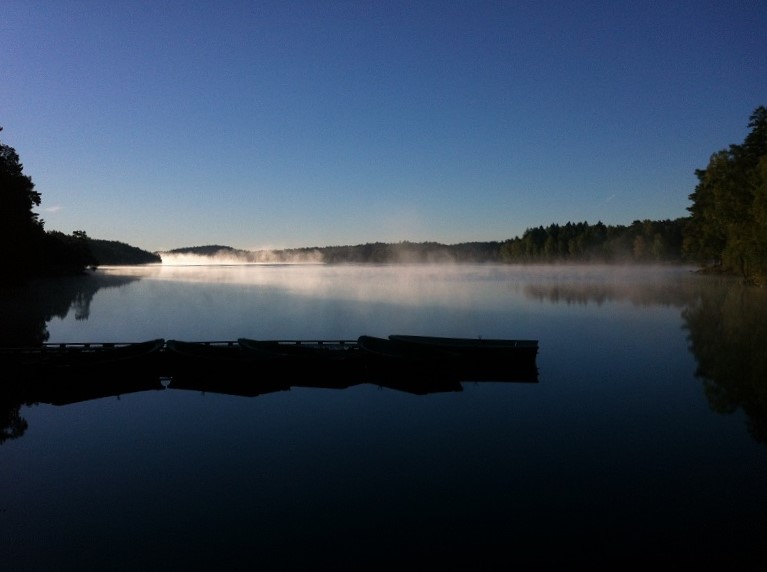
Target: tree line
[
  {"x": 29, "y": 251},
  {"x": 642, "y": 241},
  {"x": 728, "y": 223},
  {"x": 371, "y": 252},
  {"x": 409, "y": 252},
  {"x": 26, "y": 248}
]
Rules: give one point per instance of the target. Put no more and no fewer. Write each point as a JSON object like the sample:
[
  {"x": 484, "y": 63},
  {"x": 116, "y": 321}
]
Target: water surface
[{"x": 643, "y": 438}]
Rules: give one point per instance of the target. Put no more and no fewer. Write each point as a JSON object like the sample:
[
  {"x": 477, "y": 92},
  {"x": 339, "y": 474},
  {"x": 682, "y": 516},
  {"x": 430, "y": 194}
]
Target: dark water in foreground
[{"x": 643, "y": 439}]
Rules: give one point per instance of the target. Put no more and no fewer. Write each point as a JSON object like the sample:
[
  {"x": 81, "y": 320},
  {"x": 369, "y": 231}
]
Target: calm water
[{"x": 643, "y": 439}]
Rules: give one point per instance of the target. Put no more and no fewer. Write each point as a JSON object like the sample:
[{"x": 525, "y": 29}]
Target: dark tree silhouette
[
  {"x": 21, "y": 232},
  {"x": 728, "y": 224},
  {"x": 642, "y": 241},
  {"x": 25, "y": 248}
]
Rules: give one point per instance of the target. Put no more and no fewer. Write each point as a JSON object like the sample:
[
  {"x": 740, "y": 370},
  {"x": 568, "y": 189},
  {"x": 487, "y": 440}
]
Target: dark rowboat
[
  {"x": 462, "y": 358},
  {"x": 70, "y": 372},
  {"x": 467, "y": 346},
  {"x": 205, "y": 358},
  {"x": 204, "y": 352},
  {"x": 65, "y": 357},
  {"x": 387, "y": 365},
  {"x": 386, "y": 348},
  {"x": 301, "y": 349},
  {"x": 220, "y": 367},
  {"x": 264, "y": 364},
  {"x": 310, "y": 363},
  {"x": 384, "y": 352},
  {"x": 437, "y": 348}
]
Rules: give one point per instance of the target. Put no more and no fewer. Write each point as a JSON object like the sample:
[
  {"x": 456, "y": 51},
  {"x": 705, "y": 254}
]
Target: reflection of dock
[
  {"x": 87, "y": 388},
  {"x": 242, "y": 386},
  {"x": 67, "y": 373}
]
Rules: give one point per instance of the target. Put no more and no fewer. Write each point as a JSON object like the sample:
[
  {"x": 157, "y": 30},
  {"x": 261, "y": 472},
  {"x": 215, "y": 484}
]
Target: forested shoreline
[
  {"x": 643, "y": 241},
  {"x": 726, "y": 231},
  {"x": 728, "y": 222}
]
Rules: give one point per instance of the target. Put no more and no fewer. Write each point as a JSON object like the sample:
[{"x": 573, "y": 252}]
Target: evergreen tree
[
  {"x": 21, "y": 232},
  {"x": 25, "y": 248},
  {"x": 728, "y": 222}
]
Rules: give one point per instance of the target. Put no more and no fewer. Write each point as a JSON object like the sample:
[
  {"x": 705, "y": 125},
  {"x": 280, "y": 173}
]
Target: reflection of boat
[
  {"x": 226, "y": 383},
  {"x": 74, "y": 389},
  {"x": 417, "y": 383}
]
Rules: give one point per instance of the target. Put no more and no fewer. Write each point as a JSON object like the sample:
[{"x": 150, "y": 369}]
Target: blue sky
[{"x": 287, "y": 124}]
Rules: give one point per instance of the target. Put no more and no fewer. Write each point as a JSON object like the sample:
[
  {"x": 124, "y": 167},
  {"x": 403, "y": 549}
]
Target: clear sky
[{"x": 278, "y": 124}]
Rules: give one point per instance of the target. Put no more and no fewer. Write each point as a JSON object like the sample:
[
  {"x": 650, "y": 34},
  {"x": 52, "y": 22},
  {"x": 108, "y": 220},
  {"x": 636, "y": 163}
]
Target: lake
[{"x": 642, "y": 440}]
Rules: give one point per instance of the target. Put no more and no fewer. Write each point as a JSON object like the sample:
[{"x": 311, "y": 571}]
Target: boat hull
[{"x": 455, "y": 357}]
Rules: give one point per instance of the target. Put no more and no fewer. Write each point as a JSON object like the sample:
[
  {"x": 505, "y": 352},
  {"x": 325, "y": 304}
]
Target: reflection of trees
[
  {"x": 26, "y": 310},
  {"x": 727, "y": 328},
  {"x": 24, "y": 315},
  {"x": 665, "y": 291},
  {"x": 12, "y": 424},
  {"x": 23, "y": 323},
  {"x": 726, "y": 324}
]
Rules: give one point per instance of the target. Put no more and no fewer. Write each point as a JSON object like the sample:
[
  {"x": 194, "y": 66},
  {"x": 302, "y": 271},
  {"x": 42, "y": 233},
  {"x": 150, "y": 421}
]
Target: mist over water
[
  {"x": 242, "y": 257},
  {"x": 294, "y": 301}
]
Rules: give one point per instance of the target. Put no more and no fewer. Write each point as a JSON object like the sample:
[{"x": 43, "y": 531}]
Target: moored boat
[
  {"x": 266, "y": 363},
  {"x": 314, "y": 363},
  {"x": 204, "y": 352},
  {"x": 462, "y": 358},
  {"x": 467, "y": 346},
  {"x": 434, "y": 347},
  {"x": 62, "y": 357},
  {"x": 308, "y": 349},
  {"x": 386, "y": 348},
  {"x": 192, "y": 359},
  {"x": 310, "y": 363}
]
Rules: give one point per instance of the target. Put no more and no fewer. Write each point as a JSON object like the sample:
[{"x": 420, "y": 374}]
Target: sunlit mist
[{"x": 241, "y": 257}]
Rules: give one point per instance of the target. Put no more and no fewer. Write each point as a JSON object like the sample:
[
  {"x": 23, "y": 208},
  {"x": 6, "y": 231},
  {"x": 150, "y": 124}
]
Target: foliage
[
  {"x": 642, "y": 241},
  {"x": 21, "y": 233},
  {"x": 207, "y": 250},
  {"x": 728, "y": 223},
  {"x": 12, "y": 424},
  {"x": 726, "y": 327},
  {"x": 25, "y": 247},
  {"x": 113, "y": 252},
  {"x": 375, "y": 252},
  {"x": 412, "y": 252},
  {"x": 67, "y": 254}
]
